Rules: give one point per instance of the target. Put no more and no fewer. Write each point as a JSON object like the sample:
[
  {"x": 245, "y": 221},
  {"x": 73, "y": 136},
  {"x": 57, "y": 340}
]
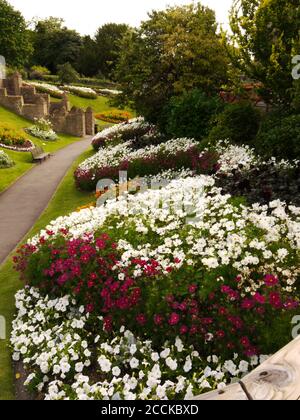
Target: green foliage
[
  {"x": 108, "y": 44},
  {"x": 67, "y": 74},
  {"x": 267, "y": 37},
  {"x": 54, "y": 44},
  {"x": 279, "y": 136},
  {"x": 189, "y": 115},
  {"x": 238, "y": 123},
  {"x": 15, "y": 43},
  {"x": 5, "y": 160},
  {"x": 38, "y": 72},
  {"x": 176, "y": 50}
]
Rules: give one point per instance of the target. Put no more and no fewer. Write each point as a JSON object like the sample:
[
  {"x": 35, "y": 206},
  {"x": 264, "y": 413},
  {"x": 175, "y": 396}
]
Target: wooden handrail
[{"x": 276, "y": 379}]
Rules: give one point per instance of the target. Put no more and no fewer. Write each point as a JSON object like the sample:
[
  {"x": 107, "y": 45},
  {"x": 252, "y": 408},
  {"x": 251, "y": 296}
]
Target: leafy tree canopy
[
  {"x": 54, "y": 44},
  {"x": 266, "y": 34},
  {"x": 15, "y": 43},
  {"x": 176, "y": 50}
]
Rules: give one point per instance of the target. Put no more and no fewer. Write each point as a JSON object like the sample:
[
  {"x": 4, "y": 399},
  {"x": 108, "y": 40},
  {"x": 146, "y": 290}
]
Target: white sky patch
[{"x": 87, "y": 16}]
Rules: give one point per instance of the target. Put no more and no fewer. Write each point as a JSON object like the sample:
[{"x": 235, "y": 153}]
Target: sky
[{"x": 86, "y": 16}]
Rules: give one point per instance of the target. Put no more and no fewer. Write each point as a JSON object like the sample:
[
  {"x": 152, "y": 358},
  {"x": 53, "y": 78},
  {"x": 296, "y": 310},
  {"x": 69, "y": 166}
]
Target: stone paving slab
[{"x": 22, "y": 204}]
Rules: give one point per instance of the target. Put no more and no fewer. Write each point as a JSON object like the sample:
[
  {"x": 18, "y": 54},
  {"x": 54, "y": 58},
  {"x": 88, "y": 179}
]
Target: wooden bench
[
  {"x": 39, "y": 155},
  {"x": 276, "y": 379}
]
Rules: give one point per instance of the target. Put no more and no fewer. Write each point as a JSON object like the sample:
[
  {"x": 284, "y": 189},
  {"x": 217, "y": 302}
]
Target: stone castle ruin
[{"x": 24, "y": 100}]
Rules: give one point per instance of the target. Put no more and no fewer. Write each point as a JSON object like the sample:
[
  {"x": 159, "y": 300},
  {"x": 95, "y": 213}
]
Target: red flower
[
  {"x": 184, "y": 329},
  {"x": 89, "y": 308},
  {"x": 193, "y": 288},
  {"x": 275, "y": 300},
  {"x": 245, "y": 342},
  {"x": 174, "y": 319},
  {"x": 247, "y": 304},
  {"x": 220, "y": 334},
  {"x": 158, "y": 319},
  {"x": 141, "y": 319},
  {"x": 271, "y": 281},
  {"x": 259, "y": 298}
]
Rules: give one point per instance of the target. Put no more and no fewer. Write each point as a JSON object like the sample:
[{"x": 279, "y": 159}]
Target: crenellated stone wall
[{"x": 25, "y": 101}]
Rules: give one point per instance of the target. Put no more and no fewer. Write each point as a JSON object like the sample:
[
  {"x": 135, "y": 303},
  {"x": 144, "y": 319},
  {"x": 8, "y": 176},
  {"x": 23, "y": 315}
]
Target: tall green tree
[
  {"x": 266, "y": 34},
  {"x": 55, "y": 44},
  {"x": 88, "y": 58},
  {"x": 175, "y": 51},
  {"x": 15, "y": 43},
  {"x": 108, "y": 44}
]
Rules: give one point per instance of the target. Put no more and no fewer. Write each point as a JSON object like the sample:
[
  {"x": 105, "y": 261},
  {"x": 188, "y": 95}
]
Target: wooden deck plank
[
  {"x": 276, "y": 379},
  {"x": 231, "y": 392},
  {"x": 279, "y": 377}
]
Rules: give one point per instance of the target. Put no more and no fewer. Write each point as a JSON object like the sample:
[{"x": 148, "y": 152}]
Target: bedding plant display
[
  {"x": 179, "y": 286},
  {"x": 51, "y": 90},
  {"x": 109, "y": 92},
  {"x": 134, "y": 129},
  {"x": 43, "y": 129},
  {"x": 114, "y": 116},
  {"x": 83, "y": 92},
  {"x": 14, "y": 139}
]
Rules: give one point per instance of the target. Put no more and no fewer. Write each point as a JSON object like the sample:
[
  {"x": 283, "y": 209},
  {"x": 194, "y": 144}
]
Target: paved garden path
[{"x": 22, "y": 204}]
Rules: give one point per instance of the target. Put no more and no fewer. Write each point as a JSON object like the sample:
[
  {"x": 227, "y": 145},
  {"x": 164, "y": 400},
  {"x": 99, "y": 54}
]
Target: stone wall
[{"x": 25, "y": 101}]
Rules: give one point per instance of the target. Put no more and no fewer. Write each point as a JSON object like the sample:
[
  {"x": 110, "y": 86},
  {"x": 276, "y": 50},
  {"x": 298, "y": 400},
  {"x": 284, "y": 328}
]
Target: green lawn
[
  {"x": 65, "y": 200},
  {"x": 23, "y": 160},
  {"x": 99, "y": 105},
  {"x": 10, "y": 175}
]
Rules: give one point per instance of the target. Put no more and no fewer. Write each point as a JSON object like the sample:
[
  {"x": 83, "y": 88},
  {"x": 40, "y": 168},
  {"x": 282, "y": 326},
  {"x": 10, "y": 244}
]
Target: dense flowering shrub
[
  {"x": 133, "y": 129},
  {"x": 14, "y": 139},
  {"x": 83, "y": 92},
  {"x": 5, "y": 160},
  {"x": 53, "y": 338},
  {"x": 51, "y": 90},
  {"x": 43, "y": 129},
  {"x": 174, "y": 154},
  {"x": 243, "y": 173},
  {"x": 114, "y": 116},
  {"x": 183, "y": 260}
]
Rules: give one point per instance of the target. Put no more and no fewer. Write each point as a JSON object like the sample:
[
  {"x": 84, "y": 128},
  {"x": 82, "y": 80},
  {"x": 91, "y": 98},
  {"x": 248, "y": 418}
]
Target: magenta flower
[
  {"x": 174, "y": 319},
  {"x": 271, "y": 280}
]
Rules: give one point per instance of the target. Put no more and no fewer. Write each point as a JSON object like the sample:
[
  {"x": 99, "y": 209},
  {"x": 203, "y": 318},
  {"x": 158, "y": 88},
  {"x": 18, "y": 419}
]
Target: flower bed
[
  {"x": 5, "y": 160},
  {"x": 43, "y": 129},
  {"x": 184, "y": 261},
  {"x": 242, "y": 262},
  {"x": 52, "y": 90},
  {"x": 60, "y": 352},
  {"x": 114, "y": 116},
  {"x": 174, "y": 154},
  {"x": 133, "y": 129},
  {"x": 109, "y": 92},
  {"x": 14, "y": 139},
  {"x": 243, "y": 173},
  {"x": 83, "y": 92}
]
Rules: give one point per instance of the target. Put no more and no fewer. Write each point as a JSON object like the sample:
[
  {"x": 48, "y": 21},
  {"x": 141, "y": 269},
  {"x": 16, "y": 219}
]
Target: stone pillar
[
  {"x": 16, "y": 84},
  {"x": 65, "y": 101},
  {"x": 89, "y": 122}
]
